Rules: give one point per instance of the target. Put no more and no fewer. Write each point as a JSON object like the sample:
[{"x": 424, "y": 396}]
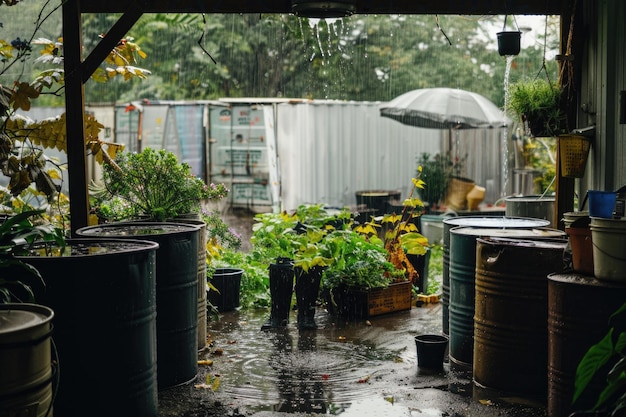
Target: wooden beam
[
  {"x": 111, "y": 39},
  {"x": 471, "y": 7},
  {"x": 74, "y": 111},
  {"x": 77, "y": 73}
]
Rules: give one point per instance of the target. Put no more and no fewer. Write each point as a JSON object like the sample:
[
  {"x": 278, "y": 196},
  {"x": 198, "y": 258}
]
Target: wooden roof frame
[{"x": 78, "y": 71}]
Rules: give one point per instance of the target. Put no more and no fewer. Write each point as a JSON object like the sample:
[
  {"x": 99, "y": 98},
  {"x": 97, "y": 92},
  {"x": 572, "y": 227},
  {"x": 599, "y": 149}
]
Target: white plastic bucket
[{"x": 609, "y": 248}]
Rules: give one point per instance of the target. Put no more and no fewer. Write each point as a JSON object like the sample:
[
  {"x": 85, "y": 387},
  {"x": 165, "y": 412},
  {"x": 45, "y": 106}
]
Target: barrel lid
[
  {"x": 584, "y": 280},
  {"x": 533, "y": 233},
  {"x": 529, "y": 199},
  {"x": 433, "y": 217},
  {"x": 16, "y": 317},
  {"x": 558, "y": 244},
  {"x": 136, "y": 229},
  {"x": 497, "y": 222}
]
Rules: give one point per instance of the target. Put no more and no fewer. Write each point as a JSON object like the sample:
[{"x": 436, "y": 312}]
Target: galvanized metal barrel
[
  {"x": 578, "y": 313},
  {"x": 176, "y": 292},
  {"x": 511, "y": 312},
  {"x": 486, "y": 222},
  {"x": 25, "y": 360},
  {"x": 463, "y": 258}
]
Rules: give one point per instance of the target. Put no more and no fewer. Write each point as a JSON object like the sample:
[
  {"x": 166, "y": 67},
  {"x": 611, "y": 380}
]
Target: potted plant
[
  {"x": 364, "y": 265},
  {"x": 296, "y": 245},
  {"x": 537, "y": 104},
  {"x": 437, "y": 172},
  {"x": 153, "y": 185}
]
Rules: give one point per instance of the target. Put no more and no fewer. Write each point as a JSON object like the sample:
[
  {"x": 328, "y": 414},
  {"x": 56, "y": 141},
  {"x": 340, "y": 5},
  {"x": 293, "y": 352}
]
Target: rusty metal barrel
[
  {"x": 462, "y": 282},
  {"x": 486, "y": 222},
  {"x": 511, "y": 313},
  {"x": 578, "y": 312}
]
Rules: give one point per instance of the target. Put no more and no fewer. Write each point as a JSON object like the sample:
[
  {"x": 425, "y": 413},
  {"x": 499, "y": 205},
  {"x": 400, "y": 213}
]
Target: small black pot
[{"x": 509, "y": 42}]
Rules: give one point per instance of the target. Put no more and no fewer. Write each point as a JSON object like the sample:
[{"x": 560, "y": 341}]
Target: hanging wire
[
  {"x": 514, "y": 20},
  {"x": 202, "y": 37},
  {"x": 568, "y": 50}
]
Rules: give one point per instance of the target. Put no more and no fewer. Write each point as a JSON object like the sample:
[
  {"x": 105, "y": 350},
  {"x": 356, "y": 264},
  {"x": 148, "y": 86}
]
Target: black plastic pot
[
  {"x": 227, "y": 281},
  {"x": 509, "y": 43}
]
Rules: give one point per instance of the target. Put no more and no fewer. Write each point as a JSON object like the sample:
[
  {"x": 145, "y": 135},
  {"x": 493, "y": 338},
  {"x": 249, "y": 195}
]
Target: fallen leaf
[
  {"x": 218, "y": 352},
  {"x": 205, "y": 362},
  {"x": 368, "y": 323},
  {"x": 342, "y": 338},
  {"x": 216, "y": 383},
  {"x": 389, "y": 399},
  {"x": 486, "y": 402},
  {"x": 325, "y": 377}
]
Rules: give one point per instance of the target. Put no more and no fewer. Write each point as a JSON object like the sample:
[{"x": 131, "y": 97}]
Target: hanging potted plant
[{"x": 536, "y": 103}]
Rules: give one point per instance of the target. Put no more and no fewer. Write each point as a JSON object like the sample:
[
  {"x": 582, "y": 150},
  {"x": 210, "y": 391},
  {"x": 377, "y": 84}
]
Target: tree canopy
[{"x": 362, "y": 57}]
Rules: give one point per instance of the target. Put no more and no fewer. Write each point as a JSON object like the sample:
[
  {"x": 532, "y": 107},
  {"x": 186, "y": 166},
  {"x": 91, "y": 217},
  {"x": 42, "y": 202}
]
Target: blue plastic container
[{"x": 601, "y": 203}]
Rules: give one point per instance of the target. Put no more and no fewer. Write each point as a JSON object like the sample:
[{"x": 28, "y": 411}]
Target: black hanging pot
[{"x": 509, "y": 42}]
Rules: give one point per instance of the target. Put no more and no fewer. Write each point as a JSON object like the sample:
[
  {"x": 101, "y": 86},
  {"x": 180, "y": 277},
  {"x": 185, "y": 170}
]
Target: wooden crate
[{"x": 359, "y": 303}]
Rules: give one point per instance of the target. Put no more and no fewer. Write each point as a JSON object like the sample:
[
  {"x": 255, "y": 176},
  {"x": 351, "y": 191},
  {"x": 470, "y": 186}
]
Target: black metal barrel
[{"x": 176, "y": 292}]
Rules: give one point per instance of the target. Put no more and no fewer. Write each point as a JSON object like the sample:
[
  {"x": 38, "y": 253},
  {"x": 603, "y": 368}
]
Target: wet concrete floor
[{"x": 346, "y": 368}]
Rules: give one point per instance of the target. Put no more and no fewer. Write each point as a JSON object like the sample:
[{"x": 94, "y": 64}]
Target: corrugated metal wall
[
  {"x": 603, "y": 86},
  {"x": 330, "y": 150}
]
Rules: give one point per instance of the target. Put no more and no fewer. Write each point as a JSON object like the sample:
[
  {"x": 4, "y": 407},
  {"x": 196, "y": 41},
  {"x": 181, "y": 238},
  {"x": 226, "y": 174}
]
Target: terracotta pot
[{"x": 582, "y": 249}]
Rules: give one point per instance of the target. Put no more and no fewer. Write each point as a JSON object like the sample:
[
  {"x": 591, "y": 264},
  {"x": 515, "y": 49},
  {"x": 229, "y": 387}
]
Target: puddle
[{"x": 345, "y": 368}]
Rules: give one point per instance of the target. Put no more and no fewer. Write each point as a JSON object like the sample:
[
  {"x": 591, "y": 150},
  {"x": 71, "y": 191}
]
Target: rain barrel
[
  {"x": 194, "y": 219},
  {"x": 102, "y": 292},
  {"x": 25, "y": 360},
  {"x": 377, "y": 200},
  {"x": 463, "y": 258},
  {"x": 533, "y": 206},
  {"x": 491, "y": 222},
  {"x": 176, "y": 292},
  {"x": 511, "y": 313},
  {"x": 578, "y": 312}
]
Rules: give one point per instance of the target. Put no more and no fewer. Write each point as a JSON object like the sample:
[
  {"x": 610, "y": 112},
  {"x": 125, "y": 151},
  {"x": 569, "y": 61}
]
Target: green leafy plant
[
  {"x": 536, "y": 103},
  {"x": 154, "y": 184},
  {"x": 22, "y": 139},
  {"x": 358, "y": 262},
  {"x": 17, "y": 233},
  {"x": 436, "y": 172},
  {"x": 611, "y": 350},
  {"x": 402, "y": 236}
]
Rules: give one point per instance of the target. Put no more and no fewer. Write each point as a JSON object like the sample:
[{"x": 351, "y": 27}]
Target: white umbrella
[{"x": 444, "y": 108}]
